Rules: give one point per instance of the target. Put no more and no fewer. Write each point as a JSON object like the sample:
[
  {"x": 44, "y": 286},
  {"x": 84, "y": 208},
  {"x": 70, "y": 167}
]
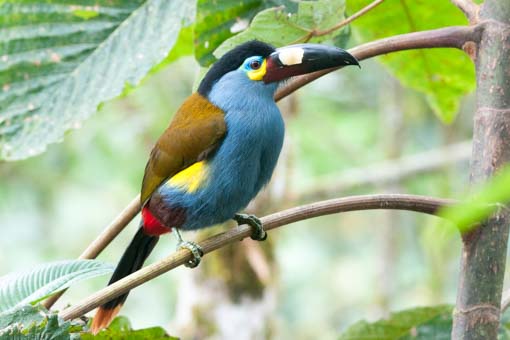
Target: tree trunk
[{"x": 483, "y": 259}]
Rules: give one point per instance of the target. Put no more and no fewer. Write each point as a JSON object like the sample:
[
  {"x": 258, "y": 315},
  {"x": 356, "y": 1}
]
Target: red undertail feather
[{"x": 151, "y": 225}]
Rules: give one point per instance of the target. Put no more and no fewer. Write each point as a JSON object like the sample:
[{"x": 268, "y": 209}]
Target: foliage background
[{"x": 332, "y": 271}]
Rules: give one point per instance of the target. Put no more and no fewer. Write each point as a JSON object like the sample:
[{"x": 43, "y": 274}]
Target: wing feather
[{"x": 196, "y": 130}]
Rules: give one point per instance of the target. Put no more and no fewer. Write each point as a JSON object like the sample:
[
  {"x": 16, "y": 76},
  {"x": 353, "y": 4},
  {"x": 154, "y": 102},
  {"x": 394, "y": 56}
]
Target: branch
[
  {"x": 469, "y": 8},
  {"x": 454, "y": 36},
  {"x": 427, "y": 205},
  {"x": 386, "y": 171}
]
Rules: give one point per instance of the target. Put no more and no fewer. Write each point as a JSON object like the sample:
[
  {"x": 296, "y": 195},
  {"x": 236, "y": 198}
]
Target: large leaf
[
  {"x": 218, "y": 20},
  {"x": 59, "y": 60},
  {"x": 418, "y": 323},
  {"x": 31, "y": 286},
  {"x": 121, "y": 328},
  {"x": 443, "y": 75},
  {"x": 279, "y": 26}
]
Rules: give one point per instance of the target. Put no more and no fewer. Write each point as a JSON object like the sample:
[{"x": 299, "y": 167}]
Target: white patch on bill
[{"x": 291, "y": 56}]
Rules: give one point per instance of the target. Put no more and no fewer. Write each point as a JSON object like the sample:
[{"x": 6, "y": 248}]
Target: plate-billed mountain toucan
[{"x": 220, "y": 149}]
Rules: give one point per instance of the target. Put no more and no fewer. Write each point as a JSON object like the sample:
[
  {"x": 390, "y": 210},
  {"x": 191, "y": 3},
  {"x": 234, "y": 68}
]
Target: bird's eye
[{"x": 255, "y": 64}]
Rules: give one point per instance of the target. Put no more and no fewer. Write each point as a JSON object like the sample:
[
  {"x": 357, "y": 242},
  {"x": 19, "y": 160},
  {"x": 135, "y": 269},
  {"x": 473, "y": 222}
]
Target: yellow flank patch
[
  {"x": 190, "y": 178},
  {"x": 258, "y": 74}
]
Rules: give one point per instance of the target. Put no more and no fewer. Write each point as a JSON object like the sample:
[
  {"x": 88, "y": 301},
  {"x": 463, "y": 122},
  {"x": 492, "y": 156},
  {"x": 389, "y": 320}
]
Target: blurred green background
[{"x": 331, "y": 271}]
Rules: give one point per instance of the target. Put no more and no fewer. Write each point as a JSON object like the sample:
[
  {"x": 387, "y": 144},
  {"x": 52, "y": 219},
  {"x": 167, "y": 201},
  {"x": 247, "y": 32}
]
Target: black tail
[{"x": 132, "y": 260}]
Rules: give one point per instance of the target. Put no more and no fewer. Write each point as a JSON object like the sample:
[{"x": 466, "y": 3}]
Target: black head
[{"x": 231, "y": 61}]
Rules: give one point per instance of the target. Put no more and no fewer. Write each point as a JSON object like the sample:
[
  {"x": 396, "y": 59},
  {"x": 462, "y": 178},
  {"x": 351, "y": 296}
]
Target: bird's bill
[{"x": 294, "y": 60}]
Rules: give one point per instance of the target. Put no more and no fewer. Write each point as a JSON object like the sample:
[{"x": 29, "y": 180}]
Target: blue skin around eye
[
  {"x": 245, "y": 160},
  {"x": 247, "y": 63}
]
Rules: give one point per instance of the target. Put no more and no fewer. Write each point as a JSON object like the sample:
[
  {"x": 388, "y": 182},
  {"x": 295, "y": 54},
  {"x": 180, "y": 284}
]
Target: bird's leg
[
  {"x": 259, "y": 234},
  {"x": 194, "y": 248}
]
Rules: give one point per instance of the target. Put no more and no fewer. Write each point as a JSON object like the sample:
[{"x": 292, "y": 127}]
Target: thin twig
[
  {"x": 348, "y": 20},
  {"x": 454, "y": 36},
  {"x": 423, "y": 204},
  {"x": 469, "y": 8},
  {"x": 317, "y": 33}
]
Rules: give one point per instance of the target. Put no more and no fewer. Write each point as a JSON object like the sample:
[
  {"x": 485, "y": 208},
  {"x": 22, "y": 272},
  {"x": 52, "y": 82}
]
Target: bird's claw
[
  {"x": 195, "y": 249},
  {"x": 258, "y": 234}
]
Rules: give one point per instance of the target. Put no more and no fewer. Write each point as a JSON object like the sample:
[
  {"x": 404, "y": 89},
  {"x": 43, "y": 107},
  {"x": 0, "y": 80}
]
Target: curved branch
[
  {"x": 454, "y": 37},
  {"x": 427, "y": 205}
]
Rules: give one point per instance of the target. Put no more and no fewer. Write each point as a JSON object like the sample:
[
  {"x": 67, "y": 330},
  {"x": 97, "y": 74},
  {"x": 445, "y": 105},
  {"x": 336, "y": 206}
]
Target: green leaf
[
  {"x": 220, "y": 19},
  {"x": 120, "y": 328},
  {"x": 59, "y": 60},
  {"x": 417, "y": 323},
  {"x": 34, "y": 322},
  {"x": 31, "y": 286},
  {"x": 443, "y": 75},
  {"x": 278, "y": 26},
  {"x": 484, "y": 201}
]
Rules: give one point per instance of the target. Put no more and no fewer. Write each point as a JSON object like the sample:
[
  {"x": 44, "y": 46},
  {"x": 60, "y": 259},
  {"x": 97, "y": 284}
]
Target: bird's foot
[
  {"x": 194, "y": 248},
  {"x": 258, "y": 234}
]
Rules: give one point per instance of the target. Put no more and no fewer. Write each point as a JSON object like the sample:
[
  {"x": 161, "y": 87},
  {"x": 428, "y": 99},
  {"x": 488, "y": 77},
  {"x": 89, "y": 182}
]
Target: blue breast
[{"x": 246, "y": 158}]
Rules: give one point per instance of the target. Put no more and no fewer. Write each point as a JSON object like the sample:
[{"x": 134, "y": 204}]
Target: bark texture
[{"x": 477, "y": 312}]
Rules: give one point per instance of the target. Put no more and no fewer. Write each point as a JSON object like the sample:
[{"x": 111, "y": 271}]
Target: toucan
[{"x": 219, "y": 150}]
